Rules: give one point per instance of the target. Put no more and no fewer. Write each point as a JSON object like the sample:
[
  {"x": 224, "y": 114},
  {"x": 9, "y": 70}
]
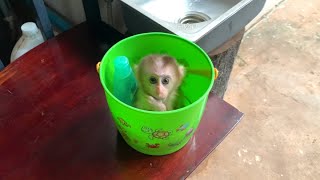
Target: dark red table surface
[{"x": 55, "y": 122}]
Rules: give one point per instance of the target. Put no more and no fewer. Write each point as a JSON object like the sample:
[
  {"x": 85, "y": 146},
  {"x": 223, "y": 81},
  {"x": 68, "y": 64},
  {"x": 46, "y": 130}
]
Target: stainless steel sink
[{"x": 209, "y": 23}]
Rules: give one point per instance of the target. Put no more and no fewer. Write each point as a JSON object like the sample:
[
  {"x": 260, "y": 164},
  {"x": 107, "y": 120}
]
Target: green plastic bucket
[{"x": 161, "y": 133}]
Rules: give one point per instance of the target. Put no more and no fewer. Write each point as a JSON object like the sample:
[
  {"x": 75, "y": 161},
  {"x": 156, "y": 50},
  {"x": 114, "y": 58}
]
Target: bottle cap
[
  {"x": 121, "y": 61},
  {"x": 29, "y": 29},
  {"x": 122, "y": 66}
]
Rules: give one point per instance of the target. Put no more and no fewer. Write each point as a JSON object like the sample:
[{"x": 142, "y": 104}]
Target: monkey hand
[{"x": 156, "y": 105}]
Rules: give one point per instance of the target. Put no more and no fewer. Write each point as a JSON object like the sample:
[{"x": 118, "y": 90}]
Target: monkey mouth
[
  {"x": 158, "y": 98},
  {"x": 155, "y": 96}
]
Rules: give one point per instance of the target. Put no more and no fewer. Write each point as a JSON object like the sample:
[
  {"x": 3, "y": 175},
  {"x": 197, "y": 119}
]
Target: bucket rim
[{"x": 205, "y": 94}]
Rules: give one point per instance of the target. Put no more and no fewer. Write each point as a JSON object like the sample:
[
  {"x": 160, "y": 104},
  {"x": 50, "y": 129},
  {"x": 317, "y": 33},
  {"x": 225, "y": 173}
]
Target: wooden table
[{"x": 55, "y": 122}]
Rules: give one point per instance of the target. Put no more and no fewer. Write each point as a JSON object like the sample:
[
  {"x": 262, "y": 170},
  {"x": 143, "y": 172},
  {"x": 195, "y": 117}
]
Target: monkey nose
[{"x": 158, "y": 90}]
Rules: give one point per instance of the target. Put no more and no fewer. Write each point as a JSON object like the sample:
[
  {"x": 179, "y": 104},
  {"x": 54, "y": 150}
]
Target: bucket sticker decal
[
  {"x": 179, "y": 142},
  {"x": 146, "y": 130},
  {"x": 125, "y": 136},
  {"x": 123, "y": 133},
  {"x": 123, "y": 122},
  {"x": 153, "y": 146},
  {"x": 175, "y": 144},
  {"x": 159, "y": 134},
  {"x": 189, "y": 132},
  {"x": 182, "y": 127}
]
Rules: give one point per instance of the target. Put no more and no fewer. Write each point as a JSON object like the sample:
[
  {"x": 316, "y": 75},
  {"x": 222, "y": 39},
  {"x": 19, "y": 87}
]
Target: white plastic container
[{"x": 31, "y": 37}]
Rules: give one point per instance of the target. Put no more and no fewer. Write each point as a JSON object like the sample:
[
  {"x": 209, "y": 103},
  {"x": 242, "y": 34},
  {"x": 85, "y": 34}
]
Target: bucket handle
[
  {"x": 216, "y": 72},
  {"x": 98, "y": 66}
]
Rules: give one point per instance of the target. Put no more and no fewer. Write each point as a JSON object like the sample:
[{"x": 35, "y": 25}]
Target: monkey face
[
  {"x": 159, "y": 86},
  {"x": 159, "y": 76}
]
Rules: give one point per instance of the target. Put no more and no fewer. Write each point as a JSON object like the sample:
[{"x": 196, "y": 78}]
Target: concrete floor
[{"x": 276, "y": 83}]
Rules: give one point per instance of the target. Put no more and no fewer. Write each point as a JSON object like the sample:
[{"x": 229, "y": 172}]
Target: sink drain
[{"x": 194, "y": 17}]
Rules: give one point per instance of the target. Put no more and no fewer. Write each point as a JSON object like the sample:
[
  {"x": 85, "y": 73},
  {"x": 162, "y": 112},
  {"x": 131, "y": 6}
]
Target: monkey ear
[
  {"x": 182, "y": 71},
  {"x": 135, "y": 68}
]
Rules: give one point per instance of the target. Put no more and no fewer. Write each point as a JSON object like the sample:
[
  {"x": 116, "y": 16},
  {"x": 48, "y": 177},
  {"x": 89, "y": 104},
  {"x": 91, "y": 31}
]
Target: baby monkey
[{"x": 158, "y": 77}]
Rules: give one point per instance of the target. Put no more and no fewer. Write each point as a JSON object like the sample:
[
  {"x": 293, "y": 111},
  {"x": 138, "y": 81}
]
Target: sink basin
[{"x": 208, "y": 23}]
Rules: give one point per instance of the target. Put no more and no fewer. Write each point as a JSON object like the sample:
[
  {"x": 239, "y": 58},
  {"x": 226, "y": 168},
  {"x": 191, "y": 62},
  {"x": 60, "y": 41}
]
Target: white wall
[{"x": 73, "y": 10}]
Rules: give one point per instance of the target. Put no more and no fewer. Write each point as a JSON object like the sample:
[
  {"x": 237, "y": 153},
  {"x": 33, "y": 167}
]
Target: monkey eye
[
  {"x": 153, "y": 80},
  {"x": 165, "y": 81}
]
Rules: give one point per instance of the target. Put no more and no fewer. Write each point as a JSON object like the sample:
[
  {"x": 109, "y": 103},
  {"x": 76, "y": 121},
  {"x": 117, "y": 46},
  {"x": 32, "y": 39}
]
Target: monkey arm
[{"x": 146, "y": 102}]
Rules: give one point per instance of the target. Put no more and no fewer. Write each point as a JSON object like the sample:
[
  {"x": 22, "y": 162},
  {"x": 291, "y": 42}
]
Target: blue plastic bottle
[{"x": 124, "y": 84}]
